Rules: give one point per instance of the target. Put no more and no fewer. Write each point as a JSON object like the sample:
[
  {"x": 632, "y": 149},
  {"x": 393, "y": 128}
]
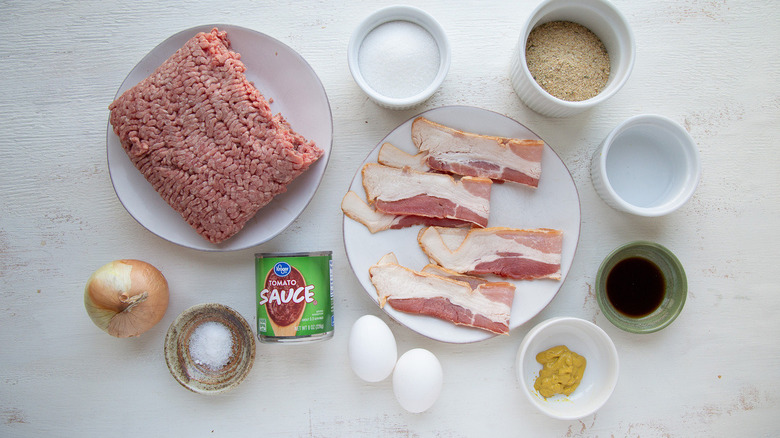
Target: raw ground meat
[{"x": 206, "y": 139}]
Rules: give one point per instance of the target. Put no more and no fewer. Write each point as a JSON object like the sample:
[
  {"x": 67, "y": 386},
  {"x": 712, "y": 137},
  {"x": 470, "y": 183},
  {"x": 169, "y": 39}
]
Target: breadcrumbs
[{"x": 567, "y": 60}]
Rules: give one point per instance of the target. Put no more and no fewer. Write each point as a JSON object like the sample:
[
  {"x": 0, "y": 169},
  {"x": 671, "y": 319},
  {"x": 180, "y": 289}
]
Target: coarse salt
[
  {"x": 399, "y": 59},
  {"x": 211, "y": 345}
]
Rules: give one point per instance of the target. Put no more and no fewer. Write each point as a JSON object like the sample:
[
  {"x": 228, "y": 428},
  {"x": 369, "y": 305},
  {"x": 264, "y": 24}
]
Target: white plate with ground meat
[
  {"x": 554, "y": 204},
  {"x": 294, "y": 91}
]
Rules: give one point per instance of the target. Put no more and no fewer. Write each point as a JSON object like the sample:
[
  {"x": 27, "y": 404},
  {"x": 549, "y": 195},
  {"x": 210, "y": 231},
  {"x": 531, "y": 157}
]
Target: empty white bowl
[
  {"x": 648, "y": 165},
  {"x": 601, "y": 18},
  {"x": 587, "y": 340},
  {"x": 414, "y": 19}
]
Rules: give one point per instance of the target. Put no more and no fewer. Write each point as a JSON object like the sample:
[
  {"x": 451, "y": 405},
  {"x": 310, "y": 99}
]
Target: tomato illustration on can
[{"x": 294, "y": 296}]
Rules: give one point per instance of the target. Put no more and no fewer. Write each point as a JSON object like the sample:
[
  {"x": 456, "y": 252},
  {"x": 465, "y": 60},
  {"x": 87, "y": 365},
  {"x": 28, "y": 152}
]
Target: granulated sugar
[
  {"x": 399, "y": 59},
  {"x": 211, "y": 345},
  {"x": 567, "y": 60}
]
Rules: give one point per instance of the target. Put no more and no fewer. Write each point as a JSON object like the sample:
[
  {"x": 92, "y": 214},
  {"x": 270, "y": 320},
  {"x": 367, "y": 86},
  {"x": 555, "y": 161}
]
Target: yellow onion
[{"x": 126, "y": 297}]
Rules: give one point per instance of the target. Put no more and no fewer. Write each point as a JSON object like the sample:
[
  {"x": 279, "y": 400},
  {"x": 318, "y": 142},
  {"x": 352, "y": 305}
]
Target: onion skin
[{"x": 125, "y": 298}]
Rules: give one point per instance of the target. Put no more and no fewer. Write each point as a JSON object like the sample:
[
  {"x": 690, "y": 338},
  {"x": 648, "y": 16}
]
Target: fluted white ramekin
[
  {"x": 604, "y": 20},
  {"x": 648, "y": 165}
]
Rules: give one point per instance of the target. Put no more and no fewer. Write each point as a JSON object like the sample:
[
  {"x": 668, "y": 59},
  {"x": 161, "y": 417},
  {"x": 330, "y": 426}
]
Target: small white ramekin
[
  {"x": 648, "y": 166},
  {"x": 399, "y": 13},
  {"x": 584, "y": 338},
  {"x": 604, "y": 20}
]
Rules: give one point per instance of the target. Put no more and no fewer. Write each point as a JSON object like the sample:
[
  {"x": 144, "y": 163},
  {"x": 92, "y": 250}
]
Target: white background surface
[{"x": 710, "y": 65}]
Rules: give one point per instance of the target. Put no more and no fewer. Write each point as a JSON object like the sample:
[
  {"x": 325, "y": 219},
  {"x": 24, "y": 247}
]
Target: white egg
[
  {"x": 372, "y": 349},
  {"x": 417, "y": 380}
]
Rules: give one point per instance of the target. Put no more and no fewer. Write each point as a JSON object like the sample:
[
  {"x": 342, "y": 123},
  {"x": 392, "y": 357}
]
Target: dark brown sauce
[{"x": 636, "y": 287}]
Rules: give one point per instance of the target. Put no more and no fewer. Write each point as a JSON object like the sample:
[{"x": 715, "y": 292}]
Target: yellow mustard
[{"x": 562, "y": 371}]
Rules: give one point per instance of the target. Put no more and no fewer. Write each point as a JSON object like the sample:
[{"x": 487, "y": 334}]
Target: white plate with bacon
[{"x": 552, "y": 205}]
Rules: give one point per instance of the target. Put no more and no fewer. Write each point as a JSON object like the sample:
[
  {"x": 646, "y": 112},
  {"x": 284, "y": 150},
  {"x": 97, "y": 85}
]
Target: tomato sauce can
[{"x": 294, "y": 294}]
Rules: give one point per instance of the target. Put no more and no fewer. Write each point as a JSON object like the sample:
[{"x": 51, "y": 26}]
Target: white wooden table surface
[{"x": 711, "y": 65}]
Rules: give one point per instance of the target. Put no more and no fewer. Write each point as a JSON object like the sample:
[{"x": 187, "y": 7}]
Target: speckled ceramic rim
[
  {"x": 399, "y": 13},
  {"x": 603, "y": 19},
  {"x": 194, "y": 377},
  {"x": 676, "y": 287}
]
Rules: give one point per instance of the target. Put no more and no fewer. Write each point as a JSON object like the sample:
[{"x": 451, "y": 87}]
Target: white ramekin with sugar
[{"x": 399, "y": 56}]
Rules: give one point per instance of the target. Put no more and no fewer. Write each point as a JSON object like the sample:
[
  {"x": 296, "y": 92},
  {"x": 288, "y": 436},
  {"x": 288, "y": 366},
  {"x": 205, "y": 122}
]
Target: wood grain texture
[{"x": 711, "y": 65}]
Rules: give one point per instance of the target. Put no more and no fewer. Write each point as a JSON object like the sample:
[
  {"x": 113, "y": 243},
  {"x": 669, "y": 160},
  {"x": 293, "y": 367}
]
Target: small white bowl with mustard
[{"x": 597, "y": 353}]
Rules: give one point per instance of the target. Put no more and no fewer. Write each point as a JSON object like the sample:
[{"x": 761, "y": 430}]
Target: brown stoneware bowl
[{"x": 196, "y": 376}]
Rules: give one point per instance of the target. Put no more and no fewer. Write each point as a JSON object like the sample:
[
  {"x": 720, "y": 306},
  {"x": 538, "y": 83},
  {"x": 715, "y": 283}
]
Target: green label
[{"x": 294, "y": 295}]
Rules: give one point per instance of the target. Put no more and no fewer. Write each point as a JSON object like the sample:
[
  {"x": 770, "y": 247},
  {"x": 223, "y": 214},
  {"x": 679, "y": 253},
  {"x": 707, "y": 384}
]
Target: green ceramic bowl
[{"x": 676, "y": 287}]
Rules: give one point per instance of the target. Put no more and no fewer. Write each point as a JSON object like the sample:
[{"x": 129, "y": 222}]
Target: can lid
[{"x": 294, "y": 254}]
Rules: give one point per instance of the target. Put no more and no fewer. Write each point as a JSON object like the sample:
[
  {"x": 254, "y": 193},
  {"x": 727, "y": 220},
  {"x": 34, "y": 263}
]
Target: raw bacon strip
[
  {"x": 390, "y": 155},
  {"x": 500, "y": 290},
  {"x": 506, "y": 252},
  {"x": 472, "y": 280},
  {"x": 451, "y": 237},
  {"x": 406, "y": 192},
  {"x": 354, "y": 207},
  {"x": 464, "y": 153},
  {"x": 486, "y": 306}
]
